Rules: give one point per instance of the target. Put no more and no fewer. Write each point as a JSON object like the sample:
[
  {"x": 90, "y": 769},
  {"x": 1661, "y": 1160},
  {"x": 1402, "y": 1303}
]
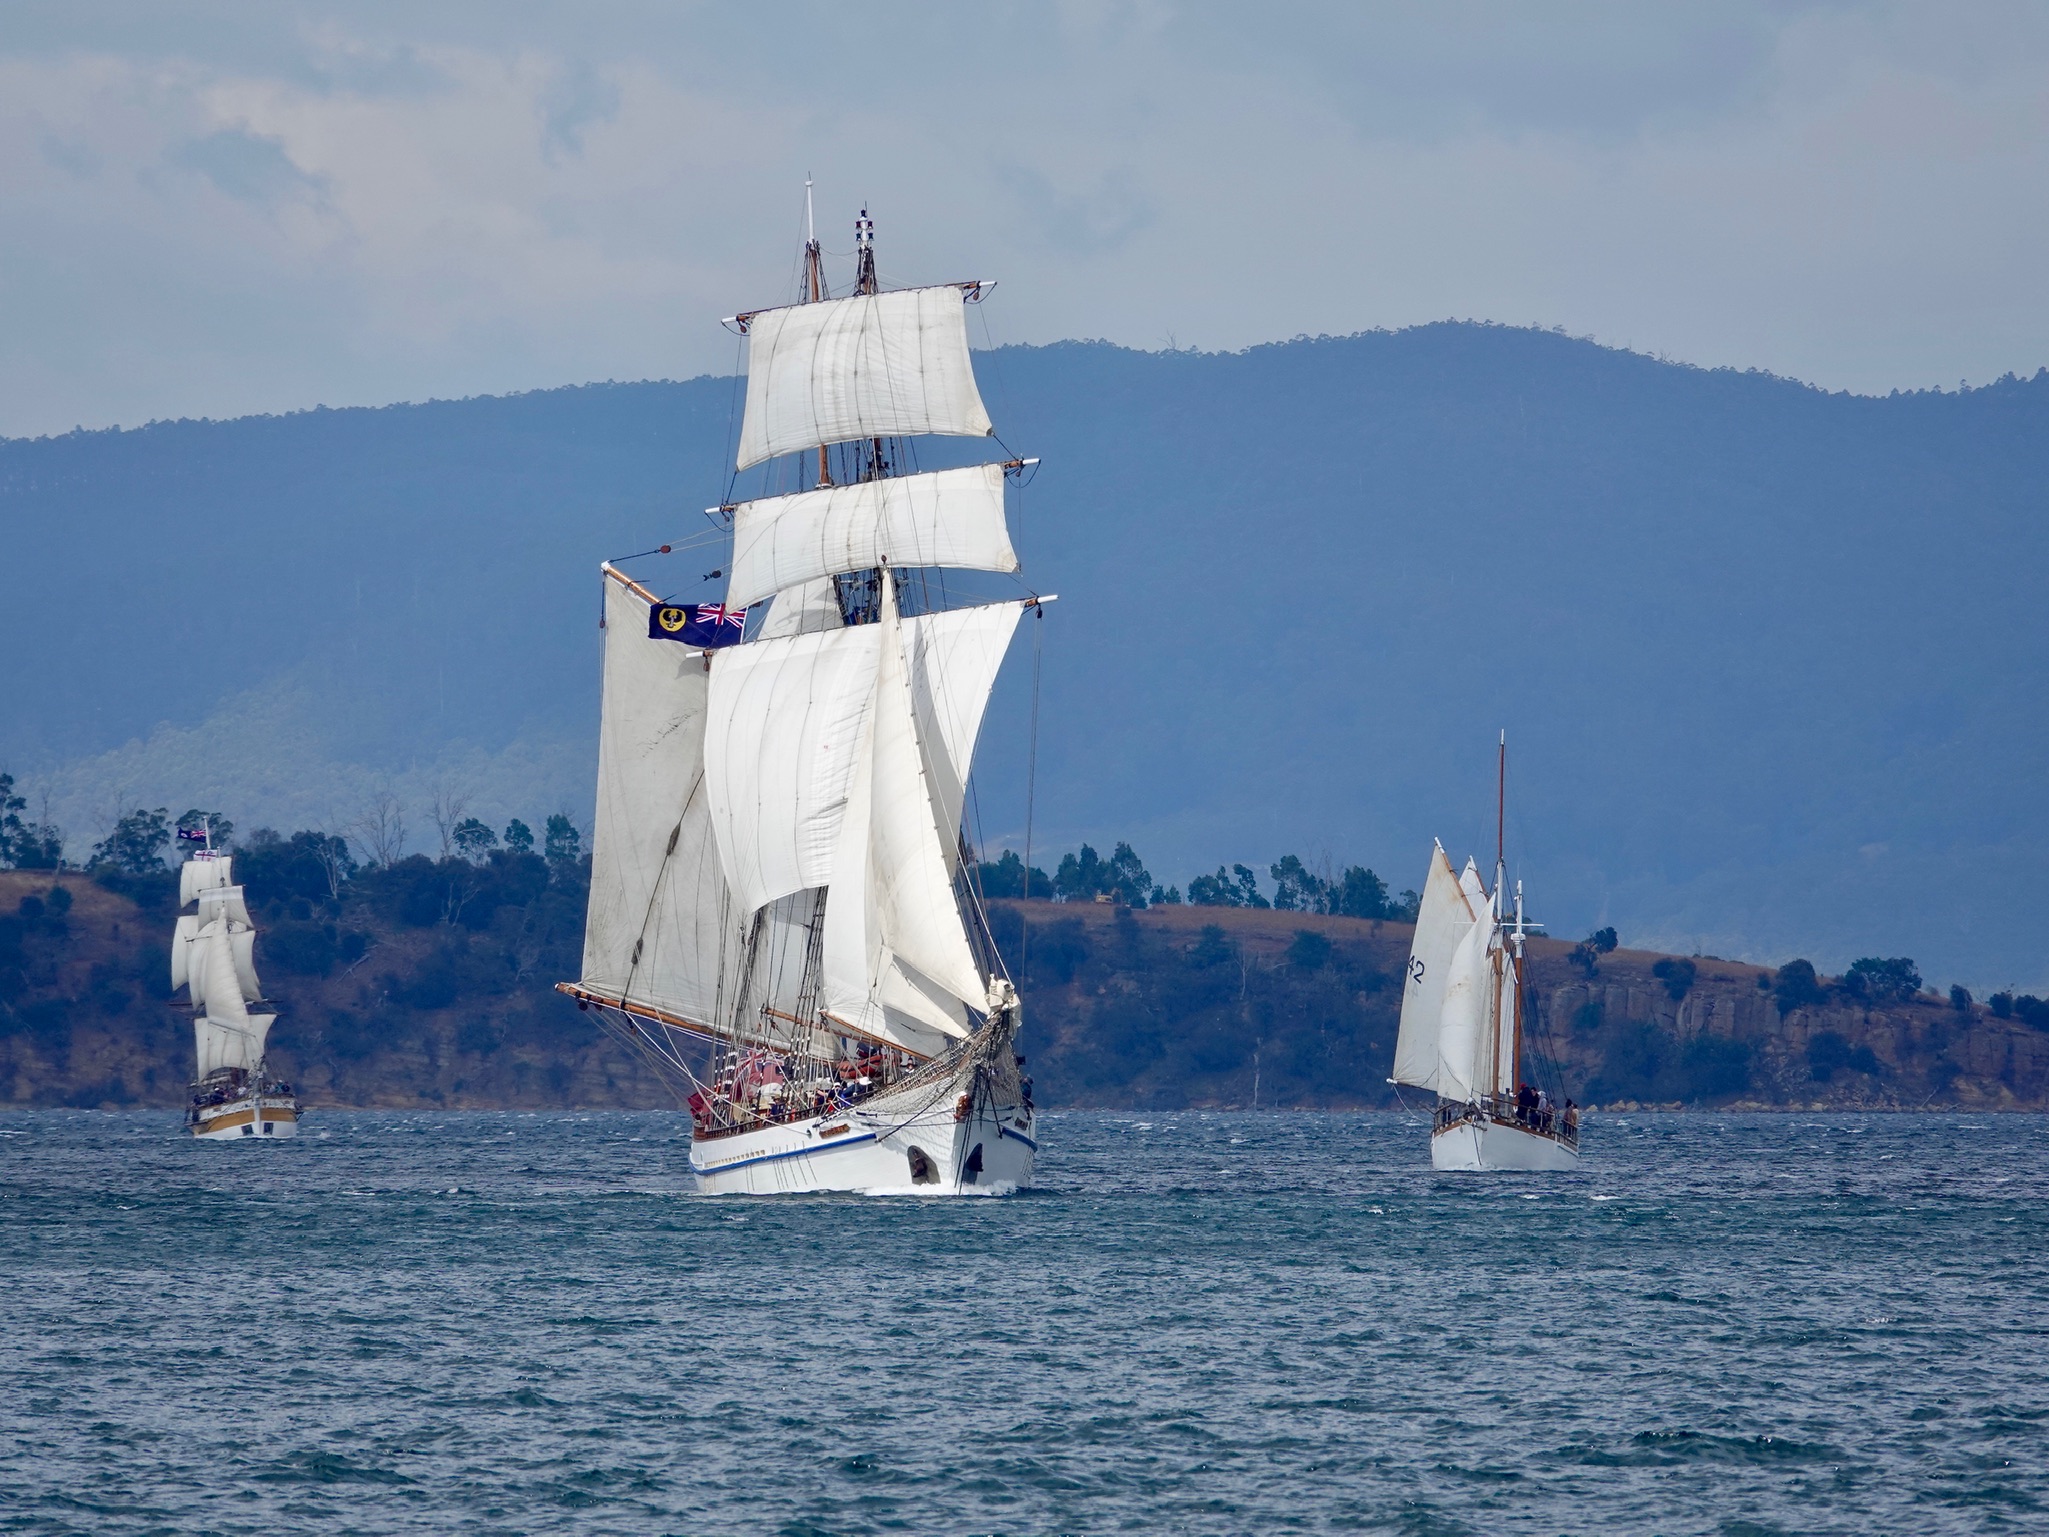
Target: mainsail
[{"x": 213, "y": 956}]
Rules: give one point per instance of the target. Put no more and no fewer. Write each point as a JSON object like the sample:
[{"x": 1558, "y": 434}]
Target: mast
[
  {"x": 865, "y": 282},
  {"x": 814, "y": 282}
]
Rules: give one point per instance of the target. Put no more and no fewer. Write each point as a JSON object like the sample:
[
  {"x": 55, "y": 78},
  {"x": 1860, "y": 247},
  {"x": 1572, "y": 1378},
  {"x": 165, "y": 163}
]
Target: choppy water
[{"x": 1201, "y": 1323}]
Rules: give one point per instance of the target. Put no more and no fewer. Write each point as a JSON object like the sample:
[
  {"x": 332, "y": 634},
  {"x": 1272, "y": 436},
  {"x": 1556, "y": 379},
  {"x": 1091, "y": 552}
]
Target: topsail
[{"x": 870, "y": 366}]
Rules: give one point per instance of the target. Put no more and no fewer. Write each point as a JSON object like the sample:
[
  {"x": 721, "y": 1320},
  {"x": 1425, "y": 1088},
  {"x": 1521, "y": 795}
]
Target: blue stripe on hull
[{"x": 795, "y": 1152}]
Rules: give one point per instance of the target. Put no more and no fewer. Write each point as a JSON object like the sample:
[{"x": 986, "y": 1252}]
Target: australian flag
[
  {"x": 696, "y": 624},
  {"x": 191, "y": 835}
]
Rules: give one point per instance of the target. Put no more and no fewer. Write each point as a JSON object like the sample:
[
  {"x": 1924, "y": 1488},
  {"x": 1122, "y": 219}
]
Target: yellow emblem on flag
[{"x": 671, "y": 619}]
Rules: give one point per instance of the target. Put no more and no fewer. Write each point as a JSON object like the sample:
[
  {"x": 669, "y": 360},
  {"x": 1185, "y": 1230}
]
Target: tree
[
  {"x": 2002, "y": 1005},
  {"x": 451, "y": 804},
  {"x": 565, "y": 843},
  {"x": 1408, "y": 909},
  {"x": 25, "y": 845},
  {"x": 1960, "y": 998},
  {"x": 136, "y": 845},
  {"x": 380, "y": 830},
  {"x": 1603, "y": 941},
  {"x": 1796, "y": 987},
  {"x": 1359, "y": 893},
  {"x": 1309, "y": 951},
  {"x": 472, "y": 839},
  {"x": 1125, "y": 877},
  {"x": 1006, "y": 877},
  {"x": 1882, "y": 981},
  {"x": 1238, "y": 887},
  {"x": 1677, "y": 974},
  {"x": 519, "y": 837},
  {"x": 1296, "y": 890}
]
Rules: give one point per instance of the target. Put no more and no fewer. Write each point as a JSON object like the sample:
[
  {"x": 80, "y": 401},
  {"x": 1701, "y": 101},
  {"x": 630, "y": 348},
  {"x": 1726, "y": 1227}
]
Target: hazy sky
[{"x": 213, "y": 209}]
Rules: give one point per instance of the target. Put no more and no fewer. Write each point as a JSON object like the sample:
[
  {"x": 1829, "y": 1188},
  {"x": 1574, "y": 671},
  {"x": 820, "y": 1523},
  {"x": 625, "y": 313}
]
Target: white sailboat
[
  {"x": 1461, "y": 1031},
  {"x": 782, "y": 916},
  {"x": 213, "y": 956}
]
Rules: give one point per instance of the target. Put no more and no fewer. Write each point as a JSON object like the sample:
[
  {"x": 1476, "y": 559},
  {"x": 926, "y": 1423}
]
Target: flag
[
  {"x": 696, "y": 624},
  {"x": 192, "y": 834}
]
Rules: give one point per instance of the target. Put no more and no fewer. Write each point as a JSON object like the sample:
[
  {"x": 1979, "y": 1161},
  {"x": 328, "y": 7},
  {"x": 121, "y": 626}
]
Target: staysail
[
  {"x": 870, "y": 366},
  {"x": 1465, "y": 1012},
  {"x": 1441, "y": 922}
]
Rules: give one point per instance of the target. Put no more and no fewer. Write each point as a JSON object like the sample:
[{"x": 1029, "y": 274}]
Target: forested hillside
[
  {"x": 1769, "y": 658},
  {"x": 429, "y": 984}
]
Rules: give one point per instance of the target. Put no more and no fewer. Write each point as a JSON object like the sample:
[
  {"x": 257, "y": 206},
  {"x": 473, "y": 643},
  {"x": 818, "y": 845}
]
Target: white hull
[
  {"x": 256, "y": 1117},
  {"x": 1491, "y": 1145},
  {"x": 916, "y": 1147}
]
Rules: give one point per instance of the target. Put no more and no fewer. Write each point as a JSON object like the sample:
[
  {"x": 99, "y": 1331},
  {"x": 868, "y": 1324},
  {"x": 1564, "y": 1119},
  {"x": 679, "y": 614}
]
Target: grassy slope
[{"x": 1145, "y": 1010}]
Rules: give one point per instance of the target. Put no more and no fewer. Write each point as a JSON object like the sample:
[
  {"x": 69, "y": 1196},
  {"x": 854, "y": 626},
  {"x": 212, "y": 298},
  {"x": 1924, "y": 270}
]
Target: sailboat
[
  {"x": 1461, "y": 1034},
  {"x": 782, "y": 917},
  {"x": 213, "y": 956}
]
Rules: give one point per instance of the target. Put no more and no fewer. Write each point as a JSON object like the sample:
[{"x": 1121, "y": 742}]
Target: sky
[{"x": 212, "y": 209}]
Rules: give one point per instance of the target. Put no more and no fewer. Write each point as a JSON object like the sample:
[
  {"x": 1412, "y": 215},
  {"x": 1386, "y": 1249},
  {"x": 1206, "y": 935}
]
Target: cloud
[{"x": 366, "y": 202}]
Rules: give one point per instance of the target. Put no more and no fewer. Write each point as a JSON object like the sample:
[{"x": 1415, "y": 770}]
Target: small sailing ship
[
  {"x": 783, "y": 917},
  {"x": 1463, "y": 1007},
  {"x": 213, "y": 956}
]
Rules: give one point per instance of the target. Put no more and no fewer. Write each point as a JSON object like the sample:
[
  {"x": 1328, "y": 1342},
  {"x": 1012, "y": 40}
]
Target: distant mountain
[{"x": 1770, "y": 659}]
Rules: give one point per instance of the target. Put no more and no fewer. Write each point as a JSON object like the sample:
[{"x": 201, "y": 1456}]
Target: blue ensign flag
[{"x": 696, "y": 624}]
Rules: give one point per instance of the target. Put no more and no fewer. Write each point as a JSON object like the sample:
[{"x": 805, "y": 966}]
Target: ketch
[
  {"x": 1463, "y": 1007},
  {"x": 213, "y": 956},
  {"x": 783, "y": 914}
]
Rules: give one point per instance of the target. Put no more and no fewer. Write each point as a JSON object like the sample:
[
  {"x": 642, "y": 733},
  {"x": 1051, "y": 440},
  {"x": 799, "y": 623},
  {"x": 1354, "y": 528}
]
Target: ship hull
[
  {"x": 258, "y": 1117},
  {"x": 1491, "y": 1144},
  {"x": 876, "y": 1147}
]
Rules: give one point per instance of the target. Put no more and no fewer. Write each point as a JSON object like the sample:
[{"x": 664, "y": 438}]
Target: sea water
[{"x": 457, "y": 1323}]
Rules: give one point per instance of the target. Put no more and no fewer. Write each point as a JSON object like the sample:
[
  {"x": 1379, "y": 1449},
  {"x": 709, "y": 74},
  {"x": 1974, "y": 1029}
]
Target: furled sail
[
  {"x": 1441, "y": 921},
  {"x": 659, "y": 920},
  {"x": 871, "y": 366},
  {"x": 953, "y": 659},
  {"x": 203, "y": 872},
  {"x": 1465, "y": 1014},
  {"x": 784, "y": 719},
  {"x": 944, "y": 518}
]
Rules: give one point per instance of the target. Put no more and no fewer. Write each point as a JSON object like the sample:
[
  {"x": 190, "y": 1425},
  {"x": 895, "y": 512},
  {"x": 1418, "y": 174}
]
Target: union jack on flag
[{"x": 697, "y": 624}]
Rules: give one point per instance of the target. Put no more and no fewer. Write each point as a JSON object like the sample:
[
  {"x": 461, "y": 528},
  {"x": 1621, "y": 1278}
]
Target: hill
[
  {"x": 388, "y": 1001},
  {"x": 1768, "y": 657}
]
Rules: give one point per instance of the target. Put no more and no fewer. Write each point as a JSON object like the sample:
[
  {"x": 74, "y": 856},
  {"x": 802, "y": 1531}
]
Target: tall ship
[
  {"x": 1463, "y": 1008},
  {"x": 213, "y": 957},
  {"x": 783, "y": 917}
]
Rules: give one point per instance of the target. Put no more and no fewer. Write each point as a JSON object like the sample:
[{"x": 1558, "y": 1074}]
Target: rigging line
[
  {"x": 732, "y": 414},
  {"x": 1024, "y": 943}
]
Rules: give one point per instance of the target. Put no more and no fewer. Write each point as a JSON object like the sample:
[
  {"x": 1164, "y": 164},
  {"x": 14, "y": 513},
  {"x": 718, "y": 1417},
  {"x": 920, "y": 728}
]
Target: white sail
[
  {"x": 659, "y": 919},
  {"x": 182, "y": 940},
  {"x": 953, "y": 659},
  {"x": 871, "y": 366},
  {"x": 1441, "y": 921},
  {"x": 1464, "y": 1016},
  {"x": 884, "y": 905},
  {"x": 203, "y": 872},
  {"x": 242, "y": 947},
  {"x": 1475, "y": 889},
  {"x": 943, "y": 518},
  {"x": 223, "y": 902},
  {"x": 239, "y": 1045},
  {"x": 800, "y": 610},
  {"x": 910, "y": 877},
  {"x": 784, "y": 719}
]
